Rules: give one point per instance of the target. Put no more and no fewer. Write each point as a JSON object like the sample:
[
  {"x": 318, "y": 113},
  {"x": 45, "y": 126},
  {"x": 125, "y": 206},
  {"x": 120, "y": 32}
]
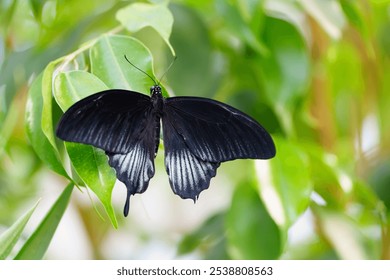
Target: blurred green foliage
[{"x": 314, "y": 73}]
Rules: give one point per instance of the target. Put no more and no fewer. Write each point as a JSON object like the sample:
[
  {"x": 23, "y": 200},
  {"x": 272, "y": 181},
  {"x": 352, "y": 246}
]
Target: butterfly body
[{"x": 198, "y": 134}]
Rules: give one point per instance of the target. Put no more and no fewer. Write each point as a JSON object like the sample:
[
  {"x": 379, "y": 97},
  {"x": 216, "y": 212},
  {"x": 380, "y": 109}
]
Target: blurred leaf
[
  {"x": 380, "y": 181},
  {"x": 36, "y": 246},
  {"x": 352, "y": 13},
  {"x": 8, "y": 125},
  {"x": 209, "y": 239},
  {"x": 38, "y": 140},
  {"x": 346, "y": 77},
  {"x": 196, "y": 72},
  {"x": 110, "y": 66},
  {"x": 9, "y": 238},
  {"x": 286, "y": 67},
  {"x": 239, "y": 26},
  {"x": 284, "y": 183},
  {"x": 328, "y": 14},
  {"x": 7, "y": 9},
  {"x": 344, "y": 234},
  {"x": 90, "y": 163},
  {"x": 37, "y": 7},
  {"x": 251, "y": 232},
  {"x": 139, "y": 15}
]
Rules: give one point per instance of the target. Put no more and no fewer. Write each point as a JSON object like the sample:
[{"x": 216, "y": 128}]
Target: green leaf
[
  {"x": 36, "y": 246},
  {"x": 243, "y": 25},
  {"x": 89, "y": 163},
  {"x": 251, "y": 232},
  {"x": 9, "y": 238},
  {"x": 139, "y": 15},
  {"x": 92, "y": 166},
  {"x": 286, "y": 67},
  {"x": 191, "y": 30},
  {"x": 208, "y": 239},
  {"x": 284, "y": 183},
  {"x": 45, "y": 151},
  {"x": 47, "y": 96},
  {"x": 72, "y": 86},
  {"x": 8, "y": 125},
  {"x": 110, "y": 66}
]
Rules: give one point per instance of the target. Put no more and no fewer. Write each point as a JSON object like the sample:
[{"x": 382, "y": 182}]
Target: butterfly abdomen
[{"x": 158, "y": 108}]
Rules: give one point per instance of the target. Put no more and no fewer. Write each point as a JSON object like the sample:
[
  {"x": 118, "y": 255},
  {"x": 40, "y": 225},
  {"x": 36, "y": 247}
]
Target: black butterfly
[{"x": 198, "y": 134}]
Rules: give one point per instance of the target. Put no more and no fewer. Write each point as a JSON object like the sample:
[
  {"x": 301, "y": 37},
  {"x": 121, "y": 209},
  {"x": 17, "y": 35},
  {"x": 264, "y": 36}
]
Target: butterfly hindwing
[
  {"x": 136, "y": 167},
  {"x": 216, "y": 132},
  {"x": 109, "y": 120},
  {"x": 188, "y": 174}
]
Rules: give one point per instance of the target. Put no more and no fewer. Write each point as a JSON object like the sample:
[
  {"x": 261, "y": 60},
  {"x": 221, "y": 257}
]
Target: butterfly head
[
  {"x": 156, "y": 98},
  {"x": 155, "y": 90}
]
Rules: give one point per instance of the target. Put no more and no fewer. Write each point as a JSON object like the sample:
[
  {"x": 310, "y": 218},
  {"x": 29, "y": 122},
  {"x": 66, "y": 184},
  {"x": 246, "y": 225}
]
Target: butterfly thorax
[
  {"x": 158, "y": 103},
  {"x": 157, "y": 99}
]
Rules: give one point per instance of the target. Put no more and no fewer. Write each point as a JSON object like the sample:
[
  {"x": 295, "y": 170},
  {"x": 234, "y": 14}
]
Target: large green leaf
[
  {"x": 9, "y": 238},
  {"x": 110, "y": 66},
  {"x": 45, "y": 151},
  {"x": 90, "y": 163},
  {"x": 251, "y": 232},
  {"x": 286, "y": 66},
  {"x": 204, "y": 72},
  {"x": 284, "y": 183},
  {"x": 243, "y": 21},
  {"x": 139, "y": 15},
  {"x": 36, "y": 246}
]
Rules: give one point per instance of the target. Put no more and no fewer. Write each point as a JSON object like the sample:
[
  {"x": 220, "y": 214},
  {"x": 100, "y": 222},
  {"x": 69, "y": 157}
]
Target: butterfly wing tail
[{"x": 134, "y": 169}]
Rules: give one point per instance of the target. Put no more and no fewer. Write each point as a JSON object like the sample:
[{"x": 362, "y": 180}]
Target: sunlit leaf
[
  {"x": 344, "y": 234},
  {"x": 328, "y": 14},
  {"x": 139, "y": 15},
  {"x": 90, "y": 163},
  {"x": 47, "y": 96},
  {"x": 37, "y": 138},
  {"x": 110, "y": 66},
  {"x": 37, "y": 244},
  {"x": 9, "y": 238}
]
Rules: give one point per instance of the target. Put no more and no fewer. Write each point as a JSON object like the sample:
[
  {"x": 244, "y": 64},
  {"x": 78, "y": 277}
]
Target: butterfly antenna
[
  {"x": 154, "y": 81},
  {"x": 166, "y": 71}
]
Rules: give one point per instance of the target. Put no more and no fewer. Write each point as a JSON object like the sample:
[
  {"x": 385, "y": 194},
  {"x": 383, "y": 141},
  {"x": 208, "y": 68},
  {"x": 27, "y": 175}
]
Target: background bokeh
[{"x": 314, "y": 73}]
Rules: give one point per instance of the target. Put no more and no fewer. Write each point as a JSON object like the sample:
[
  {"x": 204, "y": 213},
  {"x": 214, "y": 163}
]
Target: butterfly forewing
[
  {"x": 110, "y": 120},
  {"x": 216, "y": 132}
]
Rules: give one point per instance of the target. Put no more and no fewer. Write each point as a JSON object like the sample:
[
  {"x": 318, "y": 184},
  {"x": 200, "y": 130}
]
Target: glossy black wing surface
[
  {"x": 109, "y": 120},
  {"x": 136, "y": 167},
  {"x": 121, "y": 123},
  {"x": 188, "y": 174},
  {"x": 216, "y": 132}
]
